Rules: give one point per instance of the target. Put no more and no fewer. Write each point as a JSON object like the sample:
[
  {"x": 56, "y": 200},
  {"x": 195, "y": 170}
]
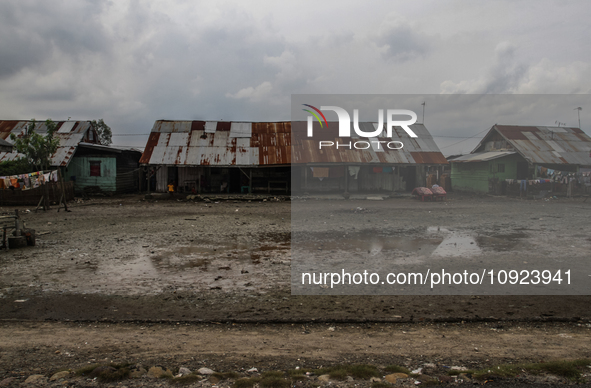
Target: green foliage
[
  {"x": 103, "y": 131},
  {"x": 274, "y": 382},
  {"x": 37, "y": 148},
  {"x": 86, "y": 370},
  {"x": 16, "y": 167},
  {"x": 570, "y": 369},
  {"x": 340, "y": 372},
  {"x": 397, "y": 369},
  {"x": 246, "y": 382}
]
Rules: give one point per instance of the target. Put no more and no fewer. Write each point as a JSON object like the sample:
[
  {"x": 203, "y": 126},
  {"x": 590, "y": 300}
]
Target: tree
[
  {"x": 15, "y": 167},
  {"x": 37, "y": 148},
  {"x": 103, "y": 131}
]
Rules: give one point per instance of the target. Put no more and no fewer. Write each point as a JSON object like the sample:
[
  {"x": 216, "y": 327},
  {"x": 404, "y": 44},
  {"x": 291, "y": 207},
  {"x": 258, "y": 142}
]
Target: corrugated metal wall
[
  {"x": 127, "y": 173},
  {"x": 162, "y": 180}
]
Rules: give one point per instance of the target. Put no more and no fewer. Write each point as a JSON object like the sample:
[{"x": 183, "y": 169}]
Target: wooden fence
[{"x": 31, "y": 197}]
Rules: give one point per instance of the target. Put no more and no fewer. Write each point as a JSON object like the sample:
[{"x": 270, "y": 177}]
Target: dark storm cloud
[
  {"x": 135, "y": 61},
  {"x": 506, "y": 74},
  {"x": 401, "y": 42},
  {"x": 33, "y": 31}
]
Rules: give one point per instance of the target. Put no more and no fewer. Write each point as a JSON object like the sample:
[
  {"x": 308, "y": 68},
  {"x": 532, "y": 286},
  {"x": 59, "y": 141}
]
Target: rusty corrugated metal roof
[
  {"x": 70, "y": 134},
  {"x": 545, "y": 145},
  {"x": 481, "y": 156},
  {"x": 201, "y": 143}
]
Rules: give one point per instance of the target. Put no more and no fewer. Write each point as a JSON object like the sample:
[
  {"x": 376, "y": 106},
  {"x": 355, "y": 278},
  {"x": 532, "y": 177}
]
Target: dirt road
[{"x": 153, "y": 276}]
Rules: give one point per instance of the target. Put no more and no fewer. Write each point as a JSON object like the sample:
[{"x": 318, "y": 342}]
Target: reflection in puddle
[
  {"x": 435, "y": 241},
  {"x": 456, "y": 244},
  {"x": 373, "y": 244}
]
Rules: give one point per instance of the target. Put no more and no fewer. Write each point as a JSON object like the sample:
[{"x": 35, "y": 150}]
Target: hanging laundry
[
  {"x": 354, "y": 171},
  {"x": 320, "y": 172},
  {"x": 54, "y": 176},
  {"x": 377, "y": 170},
  {"x": 387, "y": 169},
  {"x": 47, "y": 177}
]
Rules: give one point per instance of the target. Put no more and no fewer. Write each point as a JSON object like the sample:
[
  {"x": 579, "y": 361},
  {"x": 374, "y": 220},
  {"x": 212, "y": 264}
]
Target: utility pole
[
  {"x": 579, "y": 109},
  {"x": 423, "y": 104}
]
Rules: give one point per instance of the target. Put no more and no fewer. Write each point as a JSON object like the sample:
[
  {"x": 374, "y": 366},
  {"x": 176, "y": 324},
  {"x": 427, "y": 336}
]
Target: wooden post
[
  {"x": 39, "y": 204},
  {"x": 148, "y": 178},
  {"x": 63, "y": 196},
  {"x": 250, "y": 181},
  {"x": 346, "y": 178}
]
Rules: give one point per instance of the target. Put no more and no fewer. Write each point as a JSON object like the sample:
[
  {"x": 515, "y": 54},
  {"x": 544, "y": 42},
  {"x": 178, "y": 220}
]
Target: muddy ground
[{"x": 223, "y": 270}]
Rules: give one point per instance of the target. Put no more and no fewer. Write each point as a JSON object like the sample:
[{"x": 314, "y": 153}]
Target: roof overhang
[{"x": 482, "y": 156}]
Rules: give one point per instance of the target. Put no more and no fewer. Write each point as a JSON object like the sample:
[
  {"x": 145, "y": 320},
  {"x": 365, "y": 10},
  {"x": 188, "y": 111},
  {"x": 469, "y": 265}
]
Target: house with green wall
[
  {"x": 511, "y": 153},
  {"x": 98, "y": 168},
  {"x": 91, "y": 167}
]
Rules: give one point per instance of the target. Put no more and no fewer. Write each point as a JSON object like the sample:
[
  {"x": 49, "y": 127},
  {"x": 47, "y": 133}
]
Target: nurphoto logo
[{"x": 345, "y": 127}]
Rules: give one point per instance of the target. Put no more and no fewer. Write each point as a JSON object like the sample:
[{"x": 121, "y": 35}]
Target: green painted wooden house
[
  {"x": 91, "y": 166},
  {"x": 98, "y": 168},
  {"x": 510, "y": 153}
]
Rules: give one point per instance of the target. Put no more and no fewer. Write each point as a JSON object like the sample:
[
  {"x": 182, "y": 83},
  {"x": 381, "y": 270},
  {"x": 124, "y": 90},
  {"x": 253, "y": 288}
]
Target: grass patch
[
  {"x": 396, "y": 369},
  {"x": 274, "y": 382},
  {"x": 569, "y": 369},
  {"x": 298, "y": 372},
  {"x": 186, "y": 380},
  {"x": 246, "y": 382},
  {"x": 273, "y": 374},
  {"x": 109, "y": 373},
  {"x": 340, "y": 372},
  {"x": 60, "y": 370},
  {"x": 86, "y": 370},
  {"x": 467, "y": 371},
  {"x": 431, "y": 383},
  {"x": 363, "y": 371}
]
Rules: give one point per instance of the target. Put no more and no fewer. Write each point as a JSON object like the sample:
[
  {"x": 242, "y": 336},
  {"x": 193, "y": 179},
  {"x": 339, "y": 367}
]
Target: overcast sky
[{"x": 132, "y": 62}]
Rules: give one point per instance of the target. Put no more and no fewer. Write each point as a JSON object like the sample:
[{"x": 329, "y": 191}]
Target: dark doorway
[
  {"x": 410, "y": 176},
  {"x": 173, "y": 176},
  {"x": 522, "y": 170}
]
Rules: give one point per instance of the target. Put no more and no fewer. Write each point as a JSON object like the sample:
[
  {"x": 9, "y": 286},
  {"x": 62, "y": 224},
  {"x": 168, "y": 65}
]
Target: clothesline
[{"x": 28, "y": 181}]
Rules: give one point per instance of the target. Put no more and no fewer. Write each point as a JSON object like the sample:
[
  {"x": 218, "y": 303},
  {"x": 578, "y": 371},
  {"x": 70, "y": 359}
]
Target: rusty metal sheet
[
  {"x": 547, "y": 145},
  {"x": 66, "y": 127},
  {"x": 239, "y": 143},
  {"x": 69, "y": 133},
  {"x": 544, "y": 145},
  {"x": 210, "y": 126},
  {"x": 240, "y": 130}
]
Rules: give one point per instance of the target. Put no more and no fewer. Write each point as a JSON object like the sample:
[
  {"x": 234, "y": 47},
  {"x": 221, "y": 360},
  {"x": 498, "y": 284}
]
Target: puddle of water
[
  {"x": 456, "y": 244},
  {"x": 372, "y": 243},
  {"x": 434, "y": 241},
  {"x": 501, "y": 242}
]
